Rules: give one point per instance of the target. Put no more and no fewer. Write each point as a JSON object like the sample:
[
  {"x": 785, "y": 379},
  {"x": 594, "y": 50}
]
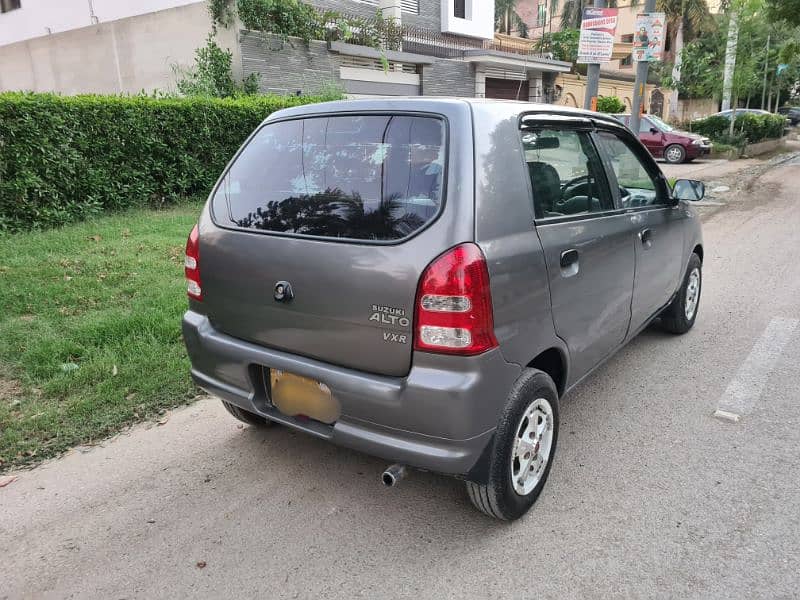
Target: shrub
[
  {"x": 63, "y": 158},
  {"x": 748, "y": 128},
  {"x": 610, "y": 104},
  {"x": 212, "y": 74}
]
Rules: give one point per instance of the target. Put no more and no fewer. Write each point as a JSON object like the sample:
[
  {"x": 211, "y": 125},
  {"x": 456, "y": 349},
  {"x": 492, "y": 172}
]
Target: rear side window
[{"x": 357, "y": 177}]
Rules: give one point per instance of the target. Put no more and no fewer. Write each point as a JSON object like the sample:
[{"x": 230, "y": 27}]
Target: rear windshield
[{"x": 358, "y": 177}]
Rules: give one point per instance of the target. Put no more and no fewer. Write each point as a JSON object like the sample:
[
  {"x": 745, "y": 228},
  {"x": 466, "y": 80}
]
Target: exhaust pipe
[{"x": 393, "y": 474}]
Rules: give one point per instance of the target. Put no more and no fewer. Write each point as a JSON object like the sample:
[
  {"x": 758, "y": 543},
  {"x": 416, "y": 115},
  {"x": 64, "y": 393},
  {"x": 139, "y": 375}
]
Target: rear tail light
[
  {"x": 453, "y": 311},
  {"x": 192, "y": 265}
]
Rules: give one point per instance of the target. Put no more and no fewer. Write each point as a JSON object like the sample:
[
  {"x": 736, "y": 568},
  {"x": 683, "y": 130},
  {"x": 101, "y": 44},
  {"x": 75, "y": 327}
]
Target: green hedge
[
  {"x": 63, "y": 158},
  {"x": 748, "y": 128}
]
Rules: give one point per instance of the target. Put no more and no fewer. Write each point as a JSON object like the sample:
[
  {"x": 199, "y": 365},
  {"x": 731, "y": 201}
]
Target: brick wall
[
  {"x": 448, "y": 78},
  {"x": 289, "y": 66}
]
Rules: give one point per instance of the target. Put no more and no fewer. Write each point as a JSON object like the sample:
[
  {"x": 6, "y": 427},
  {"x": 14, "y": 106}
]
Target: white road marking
[{"x": 748, "y": 383}]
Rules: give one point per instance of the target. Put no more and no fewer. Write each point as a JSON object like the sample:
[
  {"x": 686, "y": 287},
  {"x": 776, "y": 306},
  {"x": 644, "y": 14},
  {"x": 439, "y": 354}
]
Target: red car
[{"x": 664, "y": 141}]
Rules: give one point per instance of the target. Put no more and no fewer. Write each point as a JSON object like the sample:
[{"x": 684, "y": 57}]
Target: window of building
[
  {"x": 460, "y": 9},
  {"x": 9, "y": 5},
  {"x": 627, "y": 38},
  {"x": 627, "y": 61}
]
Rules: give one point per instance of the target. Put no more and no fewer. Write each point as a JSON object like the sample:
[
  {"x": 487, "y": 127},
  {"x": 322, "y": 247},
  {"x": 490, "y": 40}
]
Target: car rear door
[
  {"x": 321, "y": 229},
  {"x": 656, "y": 226},
  {"x": 585, "y": 238}
]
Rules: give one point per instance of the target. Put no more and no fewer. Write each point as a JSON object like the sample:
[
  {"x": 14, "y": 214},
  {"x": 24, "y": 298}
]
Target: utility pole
[
  {"x": 766, "y": 70},
  {"x": 592, "y": 75},
  {"x": 642, "y": 67}
]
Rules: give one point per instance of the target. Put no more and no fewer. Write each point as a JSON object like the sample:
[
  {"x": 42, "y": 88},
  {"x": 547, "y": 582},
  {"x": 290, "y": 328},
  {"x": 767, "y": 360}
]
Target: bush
[
  {"x": 64, "y": 158},
  {"x": 212, "y": 74},
  {"x": 749, "y": 128},
  {"x": 610, "y": 104}
]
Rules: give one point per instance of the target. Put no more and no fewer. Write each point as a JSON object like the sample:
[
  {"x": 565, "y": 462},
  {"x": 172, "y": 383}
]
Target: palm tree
[
  {"x": 507, "y": 20},
  {"x": 572, "y": 13},
  {"x": 685, "y": 20}
]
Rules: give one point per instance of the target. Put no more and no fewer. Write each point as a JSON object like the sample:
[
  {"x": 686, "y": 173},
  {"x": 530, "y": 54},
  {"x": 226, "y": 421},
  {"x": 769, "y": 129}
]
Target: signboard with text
[
  {"x": 596, "y": 43},
  {"x": 648, "y": 39}
]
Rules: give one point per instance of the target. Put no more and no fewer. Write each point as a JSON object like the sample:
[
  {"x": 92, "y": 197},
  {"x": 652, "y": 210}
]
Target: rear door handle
[
  {"x": 569, "y": 258},
  {"x": 646, "y": 236}
]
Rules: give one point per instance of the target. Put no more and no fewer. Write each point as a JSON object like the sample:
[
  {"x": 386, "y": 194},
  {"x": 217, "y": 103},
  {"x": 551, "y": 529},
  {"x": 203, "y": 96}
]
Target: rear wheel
[
  {"x": 246, "y": 416},
  {"x": 674, "y": 154},
  {"x": 680, "y": 315},
  {"x": 522, "y": 450}
]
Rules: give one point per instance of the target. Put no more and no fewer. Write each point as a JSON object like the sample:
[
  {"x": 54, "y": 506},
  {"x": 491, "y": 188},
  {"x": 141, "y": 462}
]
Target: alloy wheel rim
[
  {"x": 692, "y": 293},
  {"x": 532, "y": 446},
  {"x": 674, "y": 154}
]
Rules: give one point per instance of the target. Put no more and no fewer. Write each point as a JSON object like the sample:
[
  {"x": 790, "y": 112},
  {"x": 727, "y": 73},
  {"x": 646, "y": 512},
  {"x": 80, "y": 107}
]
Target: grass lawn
[{"x": 90, "y": 337}]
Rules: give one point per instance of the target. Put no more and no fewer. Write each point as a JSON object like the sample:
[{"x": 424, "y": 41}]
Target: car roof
[{"x": 435, "y": 104}]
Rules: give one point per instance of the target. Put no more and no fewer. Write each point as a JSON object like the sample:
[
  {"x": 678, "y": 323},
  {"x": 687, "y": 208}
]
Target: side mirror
[
  {"x": 654, "y": 131},
  {"x": 688, "y": 189}
]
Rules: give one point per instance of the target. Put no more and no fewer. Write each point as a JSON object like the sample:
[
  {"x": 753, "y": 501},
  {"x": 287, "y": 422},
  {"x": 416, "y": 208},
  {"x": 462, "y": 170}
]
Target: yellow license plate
[{"x": 294, "y": 395}]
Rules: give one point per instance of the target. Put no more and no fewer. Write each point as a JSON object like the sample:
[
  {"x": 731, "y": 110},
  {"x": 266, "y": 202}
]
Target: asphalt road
[{"x": 650, "y": 494}]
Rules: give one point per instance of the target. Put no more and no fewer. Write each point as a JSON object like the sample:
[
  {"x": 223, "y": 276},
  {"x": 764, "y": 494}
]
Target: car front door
[
  {"x": 656, "y": 225},
  {"x": 586, "y": 241}
]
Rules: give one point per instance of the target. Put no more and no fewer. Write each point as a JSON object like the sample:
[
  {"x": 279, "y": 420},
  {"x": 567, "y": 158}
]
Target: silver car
[{"x": 422, "y": 279}]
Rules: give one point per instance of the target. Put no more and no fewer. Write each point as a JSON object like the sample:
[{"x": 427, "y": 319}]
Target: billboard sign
[
  {"x": 648, "y": 40},
  {"x": 596, "y": 43}
]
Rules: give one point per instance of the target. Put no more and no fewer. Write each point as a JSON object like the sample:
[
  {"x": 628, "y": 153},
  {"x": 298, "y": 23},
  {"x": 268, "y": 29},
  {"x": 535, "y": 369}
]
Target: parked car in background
[
  {"x": 423, "y": 279},
  {"x": 752, "y": 111},
  {"x": 665, "y": 141},
  {"x": 792, "y": 113},
  {"x": 741, "y": 111}
]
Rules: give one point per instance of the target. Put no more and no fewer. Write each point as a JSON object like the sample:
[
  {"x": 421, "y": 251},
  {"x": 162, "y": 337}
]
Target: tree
[
  {"x": 685, "y": 19},
  {"x": 784, "y": 10},
  {"x": 506, "y": 19},
  {"x": 572, "y": 13},
  {"x": 562, "y": 44}
]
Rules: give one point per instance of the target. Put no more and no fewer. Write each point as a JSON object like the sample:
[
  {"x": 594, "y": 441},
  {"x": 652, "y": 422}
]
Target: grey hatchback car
[{"x": 422, "y": 279}]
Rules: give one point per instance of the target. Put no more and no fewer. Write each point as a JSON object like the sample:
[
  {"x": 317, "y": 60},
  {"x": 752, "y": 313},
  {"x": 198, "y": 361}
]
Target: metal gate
[{"x": 657, "y": 103}]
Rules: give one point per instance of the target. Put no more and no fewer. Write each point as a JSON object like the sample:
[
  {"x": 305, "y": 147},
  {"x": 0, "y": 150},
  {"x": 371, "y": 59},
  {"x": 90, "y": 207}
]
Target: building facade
[{"x": 448, "y": 47}]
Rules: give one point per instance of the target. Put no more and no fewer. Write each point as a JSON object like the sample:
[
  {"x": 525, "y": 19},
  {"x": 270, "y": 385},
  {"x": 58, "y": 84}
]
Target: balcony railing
[{"x": 386, "y": 34}]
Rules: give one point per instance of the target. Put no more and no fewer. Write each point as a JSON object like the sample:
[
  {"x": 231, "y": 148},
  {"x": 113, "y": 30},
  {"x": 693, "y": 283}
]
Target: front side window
[
  {"x": 567, "y": 176},
  {"x": 357, "y": 177},
  {"x": 637, "y": 187}
]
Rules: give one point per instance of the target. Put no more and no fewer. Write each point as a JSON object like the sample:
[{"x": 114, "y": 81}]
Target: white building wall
[
  {"x": 478, "y": 21},
  {"x": 36, "y": 18},
  {"x": 125, "y": 55}
]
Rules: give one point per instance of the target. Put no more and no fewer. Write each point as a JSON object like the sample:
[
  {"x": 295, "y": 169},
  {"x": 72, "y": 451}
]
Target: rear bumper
[{"x": 439, "y": 417}]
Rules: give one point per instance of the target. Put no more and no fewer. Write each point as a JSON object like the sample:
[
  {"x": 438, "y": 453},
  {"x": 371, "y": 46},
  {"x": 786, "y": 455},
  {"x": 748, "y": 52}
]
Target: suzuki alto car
[{"x": 423, "y": 279}]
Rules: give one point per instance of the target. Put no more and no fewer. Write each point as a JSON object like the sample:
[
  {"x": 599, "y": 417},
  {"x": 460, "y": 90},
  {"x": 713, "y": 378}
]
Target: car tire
[
  {"x": 674, "y": 154},
  {"x": 680, "y": 315},
  {"x": 507, "y": 494},
  {"x": 245, "y": 416}
]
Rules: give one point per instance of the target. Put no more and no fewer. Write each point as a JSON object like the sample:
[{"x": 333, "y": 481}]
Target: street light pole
[
  {"x": 642, "y": 67},
  {"x": 592, "y": 75}
]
